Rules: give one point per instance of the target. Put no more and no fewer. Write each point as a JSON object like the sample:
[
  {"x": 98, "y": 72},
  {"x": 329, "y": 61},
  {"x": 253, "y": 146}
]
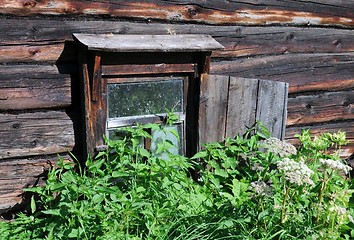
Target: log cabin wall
[{"x": 309, "y": 44}]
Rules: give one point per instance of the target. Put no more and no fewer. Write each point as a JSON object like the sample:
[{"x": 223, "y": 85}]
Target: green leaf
[
  {"x": 117, "y": 174},
  {"x": 263, "y": 215},
  {"x": 55, "y": 212},
  {"x": 100, "y": 154},
  {"x": 73, "y": 233},
  {"x": 239, "y": 188},
  {"x": 98, "y": 198},
  {"x": 177, "y": 186},
  {"x": 221, "y": 173},
  {"x": 153, "y": 126},
  {"x": 201, "y": 154},
  {"x": 33, "y": 204},
  {"x": 174, "y": 132},
  {"x": 57, "y": 186},
  {"x": 38, "y": 190},
  {"x": 143, "y": 152},
  {"x": 140, "y": 189}
]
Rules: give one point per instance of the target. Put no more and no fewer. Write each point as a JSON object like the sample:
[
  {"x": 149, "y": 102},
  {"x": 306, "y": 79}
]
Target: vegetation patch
[{"x": 251, "y": 187}]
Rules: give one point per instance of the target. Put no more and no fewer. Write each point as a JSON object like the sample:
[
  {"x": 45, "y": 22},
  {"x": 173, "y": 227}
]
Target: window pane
[
  {"x": 144, "y": 98},
  {"x": 119, "y": 134},
  {"x": 158, "y": 137}
]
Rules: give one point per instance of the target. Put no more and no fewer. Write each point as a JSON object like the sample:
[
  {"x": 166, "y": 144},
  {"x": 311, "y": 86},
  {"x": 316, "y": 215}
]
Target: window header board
[{"x": 147, "y": 43}]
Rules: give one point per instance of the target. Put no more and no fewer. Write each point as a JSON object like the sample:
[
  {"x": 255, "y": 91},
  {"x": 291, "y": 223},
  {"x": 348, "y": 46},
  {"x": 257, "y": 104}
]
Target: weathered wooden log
[
  {"x": 322, "y": 107},
  {"x": 19, "y": 174},
  {"x": 346, "y": 126},
  {"x": 269, "y": 12},
  {"x": 38, "y": 133},
  {"x": 303, "y": 72},
  {"x": 36, "y": 40},
  {"x": 33, "y": 86}
]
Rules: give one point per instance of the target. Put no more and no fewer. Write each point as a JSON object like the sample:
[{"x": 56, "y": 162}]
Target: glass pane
[
  {"x": 118, "y": 134},
  {"x": 158, "y": 137},
  {"x": 144, "y": 98}
]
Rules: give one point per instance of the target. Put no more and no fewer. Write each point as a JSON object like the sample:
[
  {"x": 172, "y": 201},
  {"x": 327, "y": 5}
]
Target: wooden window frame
[{"x": 106, "y": 58}]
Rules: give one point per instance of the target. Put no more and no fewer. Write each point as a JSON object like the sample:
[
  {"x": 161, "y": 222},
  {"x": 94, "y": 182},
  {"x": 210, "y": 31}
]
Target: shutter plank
[
  {"x": 213, "y": 107},
  {"x": 271, "y": 106},
  {"x": 242, "y": 105}
]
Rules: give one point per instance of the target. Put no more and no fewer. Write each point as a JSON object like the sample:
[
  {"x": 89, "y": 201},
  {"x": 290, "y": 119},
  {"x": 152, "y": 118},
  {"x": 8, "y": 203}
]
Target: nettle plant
[{"x": 251, "y": 187}]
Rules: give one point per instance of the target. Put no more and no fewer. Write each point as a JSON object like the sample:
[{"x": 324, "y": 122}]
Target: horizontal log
[
  {"x": 321, "y": 12},
  {"x": 347, "y": 127},
  {"x": 37, "y": 40},
  {"x": 38, "y": 133},
  {"x": 33, "y": 86},
  {"x": 324, "y": 107},
  {"x": 303, "y": 72},
  {"x": 19, "y": 174}
]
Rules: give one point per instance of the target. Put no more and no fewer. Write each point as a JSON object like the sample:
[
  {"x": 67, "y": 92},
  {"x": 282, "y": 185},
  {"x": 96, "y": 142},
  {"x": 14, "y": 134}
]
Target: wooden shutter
[{"x": 230, "y": 105}]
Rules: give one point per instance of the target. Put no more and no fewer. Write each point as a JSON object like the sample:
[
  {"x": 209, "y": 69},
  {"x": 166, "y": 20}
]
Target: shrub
[{"x": 242, "y": 191}]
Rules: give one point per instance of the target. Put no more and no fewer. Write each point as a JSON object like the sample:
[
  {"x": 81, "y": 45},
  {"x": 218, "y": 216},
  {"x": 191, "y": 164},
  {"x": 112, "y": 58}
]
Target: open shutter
[{"x": 230, "y": 105}]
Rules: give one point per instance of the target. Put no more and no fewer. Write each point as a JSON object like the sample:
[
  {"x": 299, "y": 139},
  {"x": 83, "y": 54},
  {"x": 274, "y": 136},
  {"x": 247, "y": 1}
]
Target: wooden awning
[{"x": 147, "y": 43}]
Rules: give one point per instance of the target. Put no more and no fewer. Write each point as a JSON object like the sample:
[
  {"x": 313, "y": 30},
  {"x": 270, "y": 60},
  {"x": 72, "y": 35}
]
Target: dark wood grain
[
  {"x": 303, "y": 72},
  {"x": 324, "y": 12},
  {"x": 19, "y": 174},
  {"x": 230, "y": 106},
  {"x": 213, "y": 108},
  {"x": 37, "y": 40},
  {"x": 322, "y": 107},
  {"x": 242, "y": 106},
  {"x": 33, "y": 86},
  {"x": 38, "y": 133},
  {"x": 272, "y": 102}
]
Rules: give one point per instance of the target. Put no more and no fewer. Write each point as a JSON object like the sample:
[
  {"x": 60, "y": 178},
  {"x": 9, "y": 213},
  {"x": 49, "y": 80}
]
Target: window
[
  {"x": 145, "y": 100},
  {"x": 134, "y": 78}
]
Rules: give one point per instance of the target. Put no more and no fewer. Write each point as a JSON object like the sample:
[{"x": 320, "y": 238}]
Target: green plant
[{"x": 256, "y": 187}]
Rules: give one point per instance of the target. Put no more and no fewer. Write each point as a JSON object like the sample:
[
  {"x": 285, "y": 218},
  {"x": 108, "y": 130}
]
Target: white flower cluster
[
  {"x": 257, "y": 167},
  {"x": 342, "y": 214},
  {"x": 277, "y": 146},
  {"x": 335, "y": 165},
  {"x": 261, "y": 188},
  {"x": 295, "y": 172}
]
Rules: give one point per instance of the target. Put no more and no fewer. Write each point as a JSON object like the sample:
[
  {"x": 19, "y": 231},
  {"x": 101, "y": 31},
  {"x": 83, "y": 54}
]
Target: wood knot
[
  {"x": 192, "y": 11},
  {"x": 33, "y": 51},
  {"x": 33, "y": 143},
  {"x": 29, "y": 3},
  {"x": 16, "y": 125},
  {"x": 34, "y": 30},
  {"x": 336, "y": 42},
  {"x": 289, "y": 37},
  {"x": 70, "y": 10}
]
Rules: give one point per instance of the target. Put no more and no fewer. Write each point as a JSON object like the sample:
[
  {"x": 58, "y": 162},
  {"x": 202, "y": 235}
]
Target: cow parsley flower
[
  {"x": 296, "y": 172},
  {"x": 335, "y": 165},
  {"x": 261, "y": 188},
  {"x": 257, "y": 167},
  {"x": 277, "y": 146}
]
